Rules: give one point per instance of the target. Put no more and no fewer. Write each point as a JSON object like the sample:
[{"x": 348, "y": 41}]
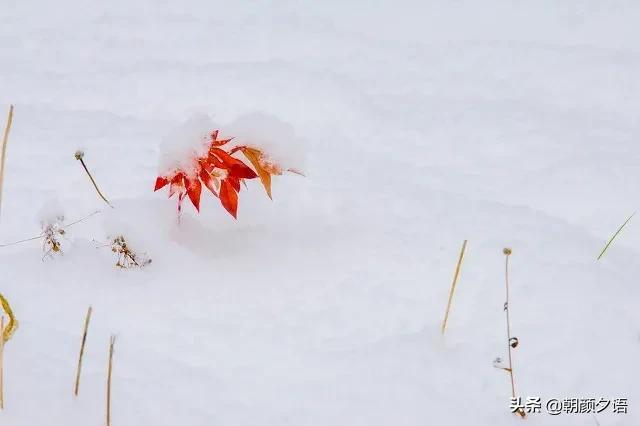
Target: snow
[
  {"x": 51, "y": 212},
  {"x": 419, "y": 125},
  {"x": 185, "y": 143},
  {"x": 276, "y": 139}
]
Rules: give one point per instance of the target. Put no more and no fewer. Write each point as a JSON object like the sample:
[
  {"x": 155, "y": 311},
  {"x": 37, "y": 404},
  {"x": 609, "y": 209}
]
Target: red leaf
[
  {"x": 209, "y": 182},
  {"x": 235, "y": 166},
  {"x": 242, "y": 171},
  {"x": 215, "y": 161},
  {"x": 205, "y": 164},
  {"x": 229, "y": 198},
  {"x": 236, "y": 149},
  {"x": 194, "y": 188},
  {"x": 160, "y": 182},
  {"x": 235, "y": 182},
  {"x": 177, "y": 185},
  {"x": 221, "y": 142},
  {"x": 222, "y": 155}
]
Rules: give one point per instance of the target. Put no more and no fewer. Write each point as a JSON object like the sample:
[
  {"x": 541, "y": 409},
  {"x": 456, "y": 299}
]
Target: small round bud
[
  {"x": 506, "y": 251},
  {"x": 79, "y": 154}
]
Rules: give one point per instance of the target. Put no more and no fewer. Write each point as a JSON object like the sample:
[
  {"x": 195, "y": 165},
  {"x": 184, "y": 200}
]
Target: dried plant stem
[
  {"x": 615, "y": 235},
  {"x": 87, "y": 319},
  {"x": 12, "y": 325},
  {"x": 42, "y": 235},
  {"x": 5, "y": 142},
  {"x": 1, "y": 365},
  {"x": 453, "y": 286},
  {"x": 112, "y": 342},
  {"x": 510, "y": 342},
  {"x": 79, "y": 156}
]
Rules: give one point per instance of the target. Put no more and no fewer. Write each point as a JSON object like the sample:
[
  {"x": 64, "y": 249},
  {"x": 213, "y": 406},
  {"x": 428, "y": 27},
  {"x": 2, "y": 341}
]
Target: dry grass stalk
[
  {"x": 87, "y": 319},
  {"x": 453, "y": 286},
  {"x": 5, "y": 335},
  {"x": 5, "y": 142},
  {"x": 512, "y": 342},
  {"x": 1, "y": 365},
  {"x": 614, "y": 236},
  {"x": 80, "y": 157},
  {"x": 112, "y": 342},
  {"x": 12, "y": 325}
]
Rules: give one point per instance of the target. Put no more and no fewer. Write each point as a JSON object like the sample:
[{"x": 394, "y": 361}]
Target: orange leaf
[
  {"x": 229, "y": 198},
  {"x": 194, "y": 188},
  {"x": 253, "y": 155},
  {"x": 160, "y": 182}
]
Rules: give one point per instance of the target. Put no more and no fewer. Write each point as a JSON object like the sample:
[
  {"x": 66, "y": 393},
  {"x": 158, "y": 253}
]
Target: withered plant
[
  {"x": 127, "y": 257},
  {"x": 52, "y": 233},
  {"x": 512, "y": 342}
]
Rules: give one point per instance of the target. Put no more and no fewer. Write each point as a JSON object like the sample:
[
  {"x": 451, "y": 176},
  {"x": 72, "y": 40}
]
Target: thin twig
[
  {"x": 112, "y": 342},
  {"x": 510, "y": 343},
  {"x": 84, "y": 340},
  {"x": 43, "y": 234},
  {"x": 615, "y": 235},
  {"x": 453, "y": 286},
  {"x": 95, "y": 212},
  {"x": 22, "y": 241},
  {"x": 5, "y": 142},
  {"x": 1, "y": 365},
  {"x": 79, "y": 156}
]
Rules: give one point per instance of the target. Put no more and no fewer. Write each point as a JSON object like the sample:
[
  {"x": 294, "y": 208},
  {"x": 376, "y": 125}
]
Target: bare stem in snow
[
  {"x": 453, "y": 286},
  {"x": 615, "y": 235},
  {"x": 5, "y": 141},
  {"x": 112, "y": 342},
  {"x": 43, "y": 235},
  {"x": 512, "y": 342},
  {"x": 79, "y": 156},
  {"x": 84, "y": 340}
]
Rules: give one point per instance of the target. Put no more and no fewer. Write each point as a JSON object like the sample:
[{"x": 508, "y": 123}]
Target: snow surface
[{"x": 425, "y": 123}]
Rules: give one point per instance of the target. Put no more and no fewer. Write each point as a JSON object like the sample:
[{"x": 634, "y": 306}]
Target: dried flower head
[
  {"x": 127, "y": 258},
  {"x": 53, "y": 232}
]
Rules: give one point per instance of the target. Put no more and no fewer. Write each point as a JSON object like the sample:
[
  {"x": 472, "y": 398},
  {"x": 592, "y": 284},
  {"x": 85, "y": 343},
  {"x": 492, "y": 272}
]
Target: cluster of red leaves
[{"x": 221, "y": 173}]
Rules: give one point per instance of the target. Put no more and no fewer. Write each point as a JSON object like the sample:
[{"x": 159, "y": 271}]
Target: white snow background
[{"x": 420, "y": 124}]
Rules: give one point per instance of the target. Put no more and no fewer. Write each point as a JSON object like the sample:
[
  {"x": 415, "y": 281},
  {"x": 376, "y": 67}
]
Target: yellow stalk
[{"x": 453, "y": 286}]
